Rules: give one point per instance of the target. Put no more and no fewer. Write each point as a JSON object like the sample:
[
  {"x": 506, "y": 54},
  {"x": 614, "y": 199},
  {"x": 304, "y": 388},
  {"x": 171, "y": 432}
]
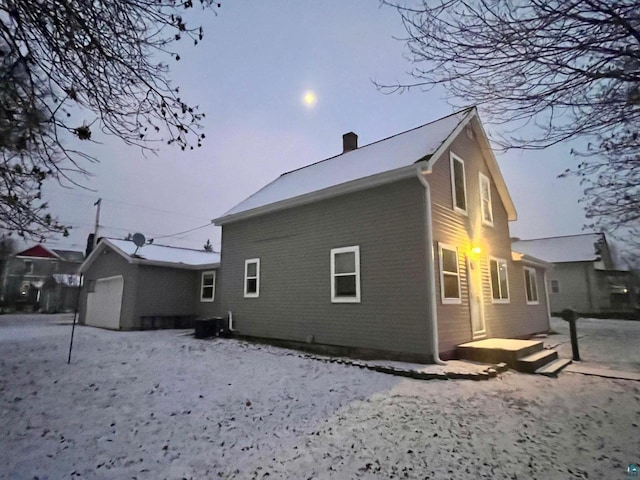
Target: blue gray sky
[{"x": 249, "y": 75}]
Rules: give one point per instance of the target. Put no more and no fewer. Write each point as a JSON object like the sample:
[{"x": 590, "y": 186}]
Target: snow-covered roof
[
  {"x": 398, "y": 153},
  {"x": 573, "y": 248},
  {"x": 160, "y": 255}
]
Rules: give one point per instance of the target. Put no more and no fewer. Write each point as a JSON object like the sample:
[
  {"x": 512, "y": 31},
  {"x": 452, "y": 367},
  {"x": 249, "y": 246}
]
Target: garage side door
[{"x": 105, "y": 302}]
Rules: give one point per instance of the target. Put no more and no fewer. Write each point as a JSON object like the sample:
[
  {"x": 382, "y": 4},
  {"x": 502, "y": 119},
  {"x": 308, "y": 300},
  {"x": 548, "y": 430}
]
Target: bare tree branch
[{"x": 60, "y": 59}]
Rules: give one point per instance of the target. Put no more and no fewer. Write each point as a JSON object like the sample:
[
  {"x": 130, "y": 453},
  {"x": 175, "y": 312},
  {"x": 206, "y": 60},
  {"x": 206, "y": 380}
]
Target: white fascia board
[
  {"x": 349, "y": 187},
  {"x": 529, "y": 260},
  {"x": 181, "y": 266}
]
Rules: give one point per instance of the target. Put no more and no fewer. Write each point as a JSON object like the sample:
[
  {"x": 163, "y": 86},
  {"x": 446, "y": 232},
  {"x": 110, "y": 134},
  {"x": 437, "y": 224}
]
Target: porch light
[{"x": 476, "y": 250}]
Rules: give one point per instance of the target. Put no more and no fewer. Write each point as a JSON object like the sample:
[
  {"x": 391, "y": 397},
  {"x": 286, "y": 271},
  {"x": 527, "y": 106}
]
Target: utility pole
[{"x": 95, "y": 230}]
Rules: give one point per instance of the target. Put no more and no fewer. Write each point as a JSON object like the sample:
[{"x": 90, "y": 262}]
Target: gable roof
[
  {"x": 158, "y": 255},
  {"x": 572, "y": 248},
  {"x": 375, "y": 164},
  {"x": 38, "y": 251}
]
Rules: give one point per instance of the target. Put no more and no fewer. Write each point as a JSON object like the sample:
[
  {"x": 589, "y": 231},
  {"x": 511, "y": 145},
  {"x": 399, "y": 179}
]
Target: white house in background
[
  {"x": 154, "y": 286},
  {"x": 584, "y": 277}
]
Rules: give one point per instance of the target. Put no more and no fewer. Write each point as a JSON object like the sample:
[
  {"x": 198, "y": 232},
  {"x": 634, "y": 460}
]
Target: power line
[{"x": 186, "y": 231}]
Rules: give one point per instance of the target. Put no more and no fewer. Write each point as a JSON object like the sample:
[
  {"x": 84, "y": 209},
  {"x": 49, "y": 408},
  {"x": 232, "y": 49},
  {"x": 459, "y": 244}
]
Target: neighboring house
[
  {"x": 41, "y": 279},
  {"x": 584, "y": 277},
  {"x": 380, "y": 247},
  {"x": 154, "y": 286}
]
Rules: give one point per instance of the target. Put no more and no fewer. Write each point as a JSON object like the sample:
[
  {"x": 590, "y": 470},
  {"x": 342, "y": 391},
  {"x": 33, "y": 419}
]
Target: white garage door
[{"x": 105, "y": 302}]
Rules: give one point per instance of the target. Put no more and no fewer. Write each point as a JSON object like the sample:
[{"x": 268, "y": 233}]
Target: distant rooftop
[
  {"x": 572, "y": 248},
  {"x": 152, "y": 254},
  {"x": 167, "y": 254}
]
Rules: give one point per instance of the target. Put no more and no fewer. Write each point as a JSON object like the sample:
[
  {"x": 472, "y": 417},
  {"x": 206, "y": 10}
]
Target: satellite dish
[{"x": 138, "y": 239}]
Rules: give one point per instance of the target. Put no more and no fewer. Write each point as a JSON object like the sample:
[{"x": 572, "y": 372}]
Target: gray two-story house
[{"x": 400, "y": 247}]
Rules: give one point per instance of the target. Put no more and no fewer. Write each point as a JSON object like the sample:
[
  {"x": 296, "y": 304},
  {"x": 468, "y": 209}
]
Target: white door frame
[{"x": 476, "y": 302}]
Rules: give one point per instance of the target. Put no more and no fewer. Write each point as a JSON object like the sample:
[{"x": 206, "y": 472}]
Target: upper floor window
[
  {"x": 531, "y": 285},
  {"x": 485, "y": 200},
  {"x": 252, "y": 278},
  {"x": 499, "y": 280},
  {"x": 345, "y": 275},
  {"x": 208, "y": 286},
  {"x": 28, "y": 266},
  {"x": 458, "y": 184},
  {"x": 449, "y": 274},
  {"x": 555, "y": 286}
]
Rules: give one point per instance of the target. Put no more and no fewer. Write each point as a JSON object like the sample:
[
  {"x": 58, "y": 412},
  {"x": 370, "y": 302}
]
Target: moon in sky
[{"x": 309, "y": 99}]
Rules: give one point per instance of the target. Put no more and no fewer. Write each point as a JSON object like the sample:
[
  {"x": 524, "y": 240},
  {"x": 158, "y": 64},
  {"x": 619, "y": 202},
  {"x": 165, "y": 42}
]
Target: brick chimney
[{"x": 349, "y": 142}]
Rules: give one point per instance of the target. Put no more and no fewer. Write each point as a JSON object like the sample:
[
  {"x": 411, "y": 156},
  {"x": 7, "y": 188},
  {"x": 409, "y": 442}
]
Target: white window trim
[
  {"x": 484, "y": 178},
  {"x": 454, "y": 157},
  {"x": 534, "y": 279},
  {"x": 449, "y": 301},
  {"x": 353, "y": 249},
  {"x": 506, "y": 272},
  {"x": 551, "y": 286},
  {"x": 202, "y": 285},
  {"x": 257, "y": 277}
]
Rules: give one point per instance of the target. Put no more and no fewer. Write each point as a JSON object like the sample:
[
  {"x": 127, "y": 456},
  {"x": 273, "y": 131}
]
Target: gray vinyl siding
[
  {"x": 466, "y": 231},
  {"x": 576, "y": 280},
  {"x": 166, "y": 291},
  {"x": 294, "y": 245},
  {"x": 111, "y": 265}
]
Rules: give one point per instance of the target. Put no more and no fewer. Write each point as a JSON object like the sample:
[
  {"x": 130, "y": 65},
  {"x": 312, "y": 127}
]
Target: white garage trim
[{"x": 104, "y": 303}]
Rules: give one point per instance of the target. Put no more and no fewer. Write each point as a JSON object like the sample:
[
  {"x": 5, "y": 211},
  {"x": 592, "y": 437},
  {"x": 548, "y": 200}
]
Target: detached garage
[{"x": 154, "y": 286}]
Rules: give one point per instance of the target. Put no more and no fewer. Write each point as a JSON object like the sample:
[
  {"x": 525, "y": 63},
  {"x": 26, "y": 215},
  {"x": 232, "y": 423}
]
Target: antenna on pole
[{"x": 95, "y": 230}]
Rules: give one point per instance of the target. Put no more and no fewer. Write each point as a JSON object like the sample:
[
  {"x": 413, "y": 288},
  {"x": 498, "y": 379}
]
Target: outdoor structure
[
  {"x": 154, "y": 286},
  {"x": 400, "y": 248},
  {"x": 41, "y": 279},
  {"x": 584, "y": 277}
]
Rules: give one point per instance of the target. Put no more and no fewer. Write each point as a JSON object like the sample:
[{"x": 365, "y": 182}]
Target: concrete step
[
  {"x": 533, "y": 361},
  {"x": 552, "y": 369},
  {"x": 497, "y": 350}
]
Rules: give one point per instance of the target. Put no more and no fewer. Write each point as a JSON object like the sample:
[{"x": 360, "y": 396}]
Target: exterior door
[
  {"x": 105, "y": 303},
  {"x": 476, "y": 306}
]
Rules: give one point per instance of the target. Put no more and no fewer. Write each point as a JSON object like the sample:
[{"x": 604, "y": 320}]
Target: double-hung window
[
  {"x": 345, "y": 275},
  {"x": 485, "y": 200},
  {"x": 499, "y": 280},
  {"x": 458, "y": 184},
  {"x": 531, "y": 285},
  {"x": 449, "y": 274},
  {"x": 555, "y": 286},
  {"x": 252, "y": 278},
  {"x": 208, "y": 286}
]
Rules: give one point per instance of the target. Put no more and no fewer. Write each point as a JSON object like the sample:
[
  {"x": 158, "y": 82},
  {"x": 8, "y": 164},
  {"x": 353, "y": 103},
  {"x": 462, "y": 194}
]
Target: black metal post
[
  {"x": 571, "y": 317},
  {"x": 75, "y": 315}
]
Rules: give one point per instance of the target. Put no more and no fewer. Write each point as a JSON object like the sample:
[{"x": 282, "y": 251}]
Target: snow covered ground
[{"x": 161, "y": 404}]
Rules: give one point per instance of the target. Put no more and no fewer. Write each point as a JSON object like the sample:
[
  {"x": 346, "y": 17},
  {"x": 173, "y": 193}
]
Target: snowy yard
[{"x": 161, "y": 404}]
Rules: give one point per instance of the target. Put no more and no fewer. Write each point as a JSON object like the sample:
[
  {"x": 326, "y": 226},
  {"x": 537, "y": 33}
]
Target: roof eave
[
  {"x": 344, "y": 188},
  {"x": 182, "y": 266},
  {"x": 529, "y": 260}
]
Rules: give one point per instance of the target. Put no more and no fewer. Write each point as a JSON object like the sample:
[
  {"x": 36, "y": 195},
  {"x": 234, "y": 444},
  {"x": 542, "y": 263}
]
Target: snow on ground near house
[
  {"x": 611, "y": 344},
  {"x": 161, "y": 404}
]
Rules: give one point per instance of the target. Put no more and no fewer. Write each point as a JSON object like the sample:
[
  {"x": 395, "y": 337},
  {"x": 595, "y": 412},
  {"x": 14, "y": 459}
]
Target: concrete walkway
[{"x": 602, "y": 372}]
